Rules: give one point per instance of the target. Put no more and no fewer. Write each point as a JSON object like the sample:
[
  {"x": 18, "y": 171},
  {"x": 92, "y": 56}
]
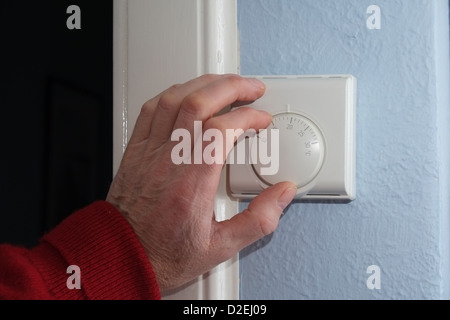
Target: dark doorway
[{"x": 56, "y": 112}]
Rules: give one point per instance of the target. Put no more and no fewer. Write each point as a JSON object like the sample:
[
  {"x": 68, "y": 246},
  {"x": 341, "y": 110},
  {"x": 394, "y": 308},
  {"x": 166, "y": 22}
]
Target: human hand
[{"x": 171, "y": 207}]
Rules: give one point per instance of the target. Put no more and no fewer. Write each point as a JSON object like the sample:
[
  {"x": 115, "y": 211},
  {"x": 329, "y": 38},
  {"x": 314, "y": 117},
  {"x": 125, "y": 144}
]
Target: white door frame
[{"x": 158, "y": 43}]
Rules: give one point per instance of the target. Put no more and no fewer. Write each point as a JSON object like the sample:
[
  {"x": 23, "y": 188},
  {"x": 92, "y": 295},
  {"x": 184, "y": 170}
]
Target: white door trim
[{"x": 158, "y": 43}]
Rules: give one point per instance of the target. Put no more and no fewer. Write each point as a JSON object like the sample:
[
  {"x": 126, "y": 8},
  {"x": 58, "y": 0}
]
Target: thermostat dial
[{"x": 301, "y": 146}]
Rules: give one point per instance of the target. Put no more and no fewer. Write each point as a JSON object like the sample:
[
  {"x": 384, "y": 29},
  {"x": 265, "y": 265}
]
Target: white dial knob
[{"x": 301, "y": 149}]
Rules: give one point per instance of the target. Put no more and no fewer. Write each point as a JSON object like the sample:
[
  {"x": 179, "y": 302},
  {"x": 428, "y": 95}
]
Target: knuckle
[
  {"x": 267, "y": 226},
  {"x": 147, "y": 108},
  {"x": 195, "y": 103},
  {"x": 264, "y": 224},
  {"x": 209, "y": 77},
  {"x": 174, "y": 87},
  {"x": 235, "y": 80},
  {"x": 168, "y": 99}
]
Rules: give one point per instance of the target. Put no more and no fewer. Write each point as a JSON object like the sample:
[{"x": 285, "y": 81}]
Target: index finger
[{"x": 202, "y": 104}]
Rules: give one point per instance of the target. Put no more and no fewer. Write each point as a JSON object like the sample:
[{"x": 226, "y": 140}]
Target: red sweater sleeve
[{"x": 97, "y": 239}]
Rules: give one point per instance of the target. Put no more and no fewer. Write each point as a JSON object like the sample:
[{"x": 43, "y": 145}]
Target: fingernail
[
  {"x": 257, "y": 83},
  {"x": 286, "y": 197}
]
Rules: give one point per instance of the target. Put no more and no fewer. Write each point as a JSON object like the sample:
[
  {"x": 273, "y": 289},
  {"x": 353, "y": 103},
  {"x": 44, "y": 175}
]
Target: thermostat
[{"x": 310, "y": 141}]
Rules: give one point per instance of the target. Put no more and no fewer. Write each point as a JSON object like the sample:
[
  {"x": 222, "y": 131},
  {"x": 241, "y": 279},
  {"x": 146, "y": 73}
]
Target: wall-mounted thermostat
[{"x": 310, "y": 142}]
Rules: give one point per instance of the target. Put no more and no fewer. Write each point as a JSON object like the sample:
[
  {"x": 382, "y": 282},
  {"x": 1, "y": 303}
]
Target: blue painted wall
[{"x": 400, "y": 219}]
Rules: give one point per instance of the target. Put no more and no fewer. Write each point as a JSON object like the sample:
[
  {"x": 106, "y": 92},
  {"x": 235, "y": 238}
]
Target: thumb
[{"x": 258, "y": 220}]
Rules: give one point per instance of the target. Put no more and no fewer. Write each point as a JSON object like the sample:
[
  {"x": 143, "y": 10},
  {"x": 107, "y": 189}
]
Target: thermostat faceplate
[{"x": 315, "y": 118}]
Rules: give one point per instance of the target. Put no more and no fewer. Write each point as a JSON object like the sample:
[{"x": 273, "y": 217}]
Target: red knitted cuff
[{"x": 112, "y": 262}]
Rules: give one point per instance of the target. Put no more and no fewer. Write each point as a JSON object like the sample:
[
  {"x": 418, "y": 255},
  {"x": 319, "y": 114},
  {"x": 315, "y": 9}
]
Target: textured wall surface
[{"x": 399, "y": 220}]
